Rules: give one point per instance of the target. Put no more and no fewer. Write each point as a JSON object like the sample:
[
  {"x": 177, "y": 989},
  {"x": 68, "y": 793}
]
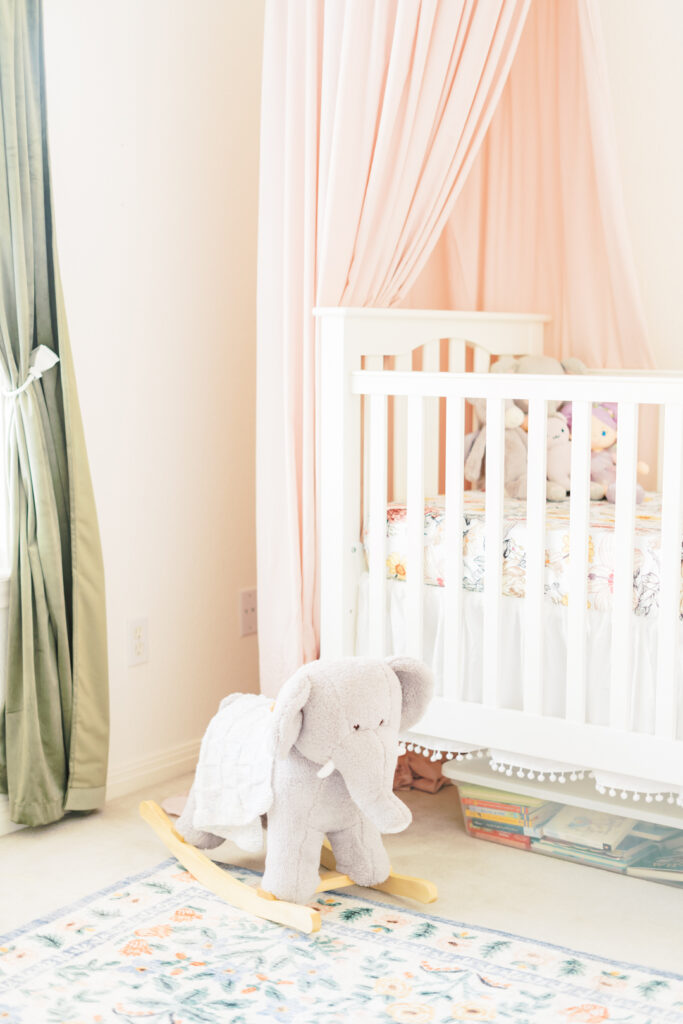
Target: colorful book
[
  {"x": 482, "y": 794},
  {"x": 501, "y": 826},
  {"x": 530, "y": 810},
  {"x": 492, "y": 805},
  {"x": 503, "y": 838},
  {"x": 477, "y": 811},
  {"x": 594, "y": 830},
  {"x": 535, "y": 817}
]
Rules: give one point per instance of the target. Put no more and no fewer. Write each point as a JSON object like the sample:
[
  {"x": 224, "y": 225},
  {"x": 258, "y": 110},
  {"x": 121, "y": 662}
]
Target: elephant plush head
[{"x": 346, "y": 716}]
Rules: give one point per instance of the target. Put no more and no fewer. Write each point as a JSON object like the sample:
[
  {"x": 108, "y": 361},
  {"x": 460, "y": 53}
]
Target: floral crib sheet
[{"x": 601, "y": 549}]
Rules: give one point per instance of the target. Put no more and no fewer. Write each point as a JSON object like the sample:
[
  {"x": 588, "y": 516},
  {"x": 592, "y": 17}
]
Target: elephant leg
[
  {"x": 360, "y": 854},
  {"x": 292, "y": 860},
  {"x": 192, "y": 835}
]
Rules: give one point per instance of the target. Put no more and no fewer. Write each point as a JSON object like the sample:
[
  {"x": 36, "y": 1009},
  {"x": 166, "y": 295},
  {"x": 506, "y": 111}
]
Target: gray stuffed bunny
[
  {"x": 319, "y": 762},
  {"x": 516, "y": 445}
]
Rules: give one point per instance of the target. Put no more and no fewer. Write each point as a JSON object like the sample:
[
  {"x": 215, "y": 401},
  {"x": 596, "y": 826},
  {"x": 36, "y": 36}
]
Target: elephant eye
[{"x": 356, "y": 727}]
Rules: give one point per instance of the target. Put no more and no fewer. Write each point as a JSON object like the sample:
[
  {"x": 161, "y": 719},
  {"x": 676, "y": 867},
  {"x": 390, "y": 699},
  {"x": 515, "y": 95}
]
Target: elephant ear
[
  {"x": 288, "y": 711},
  {"x": 417, "y": 686}
]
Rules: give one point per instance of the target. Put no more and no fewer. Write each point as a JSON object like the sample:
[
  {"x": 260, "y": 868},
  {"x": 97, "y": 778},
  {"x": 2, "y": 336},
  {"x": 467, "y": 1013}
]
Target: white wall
[
  {"x": 153, "y": 112},
  {"x": 643, "y": 44}
]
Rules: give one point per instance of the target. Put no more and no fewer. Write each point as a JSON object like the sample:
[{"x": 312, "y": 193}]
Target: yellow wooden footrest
[{"x": 397, "y": 885}]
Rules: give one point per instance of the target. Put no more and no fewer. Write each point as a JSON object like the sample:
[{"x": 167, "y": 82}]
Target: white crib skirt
[{"x": 642, "y": 640}]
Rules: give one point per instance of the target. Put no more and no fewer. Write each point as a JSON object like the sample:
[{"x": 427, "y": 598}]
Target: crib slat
[
  {"x": 579, "y": 512},
  {"x": 401, "y": 362},
  {"x": 371, "y": 363},
  {"x": 455, "y": 495},
  {"x": 535, "y": 557},
  {"x": 670, "y": 578},
  {"x": 377, "y": 533},
  {"x": 480, "y": 364},
  {"x": 624, "y": 537},
  {"x": 457, "y": 355},
  {"x": 493, "y": 547},
  {"x": 416, "y": 505},
  {"x": 482, "y": 360},
  {"x": 431, "y": 354}
]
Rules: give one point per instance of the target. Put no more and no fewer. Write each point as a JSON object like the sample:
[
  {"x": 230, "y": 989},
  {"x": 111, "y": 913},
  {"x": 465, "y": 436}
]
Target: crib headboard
[
  {"x": 431, "y": 341},
  {"x": 373, "y": 339}
]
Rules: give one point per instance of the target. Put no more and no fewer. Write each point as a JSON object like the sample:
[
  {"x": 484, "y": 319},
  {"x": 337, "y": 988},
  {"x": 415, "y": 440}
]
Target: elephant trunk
[{"x": 367, "y": 762}]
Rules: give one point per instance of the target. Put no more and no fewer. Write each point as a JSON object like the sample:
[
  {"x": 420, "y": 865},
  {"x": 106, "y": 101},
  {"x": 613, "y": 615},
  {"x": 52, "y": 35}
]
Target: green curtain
[{"x": 54, "y": 726}]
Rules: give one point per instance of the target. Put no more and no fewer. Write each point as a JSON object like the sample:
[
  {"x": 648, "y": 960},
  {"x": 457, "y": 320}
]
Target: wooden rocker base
[{"x": 257, "y": 901}]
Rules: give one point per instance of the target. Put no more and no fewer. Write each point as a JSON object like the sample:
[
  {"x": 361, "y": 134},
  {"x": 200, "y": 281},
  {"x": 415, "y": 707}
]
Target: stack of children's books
[
  {"x": 593, "y": 837},
  {"x": 506, "y": 818},
  {"x": 609, "y": 841}
]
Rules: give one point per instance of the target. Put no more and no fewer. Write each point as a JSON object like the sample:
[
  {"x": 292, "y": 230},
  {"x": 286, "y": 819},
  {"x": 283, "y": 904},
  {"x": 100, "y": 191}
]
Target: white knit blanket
[{"x": 233, "y": 781}]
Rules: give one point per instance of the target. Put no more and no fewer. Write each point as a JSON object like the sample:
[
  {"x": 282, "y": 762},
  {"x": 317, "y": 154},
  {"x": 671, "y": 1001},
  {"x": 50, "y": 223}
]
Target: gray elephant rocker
[{"x": 318, "y": 762}]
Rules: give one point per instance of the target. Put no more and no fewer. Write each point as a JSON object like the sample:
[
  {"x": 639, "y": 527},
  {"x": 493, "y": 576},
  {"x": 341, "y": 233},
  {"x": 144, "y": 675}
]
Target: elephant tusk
[{"x": 326, "y": 770}]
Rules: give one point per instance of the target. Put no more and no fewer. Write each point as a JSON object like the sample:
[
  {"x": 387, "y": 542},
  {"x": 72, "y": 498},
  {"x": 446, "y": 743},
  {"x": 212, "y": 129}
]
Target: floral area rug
[{"x": 159, "y": 948}]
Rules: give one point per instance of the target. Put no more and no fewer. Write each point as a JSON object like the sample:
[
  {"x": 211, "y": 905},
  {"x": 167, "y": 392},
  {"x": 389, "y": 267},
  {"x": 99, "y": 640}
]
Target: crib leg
[{"x": 396, "y": 885}]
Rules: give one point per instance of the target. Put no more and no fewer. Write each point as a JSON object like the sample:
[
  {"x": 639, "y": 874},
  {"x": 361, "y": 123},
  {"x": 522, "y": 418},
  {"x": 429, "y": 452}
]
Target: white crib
[{"x": 379, "y": 418}]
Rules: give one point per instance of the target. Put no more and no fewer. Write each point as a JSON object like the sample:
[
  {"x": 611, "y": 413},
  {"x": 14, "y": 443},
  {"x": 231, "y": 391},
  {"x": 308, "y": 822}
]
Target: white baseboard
[
  {"x": 150, "y": 771},
  {"x": 7, "y": 826},
  {"x": 147, "y": 771}
]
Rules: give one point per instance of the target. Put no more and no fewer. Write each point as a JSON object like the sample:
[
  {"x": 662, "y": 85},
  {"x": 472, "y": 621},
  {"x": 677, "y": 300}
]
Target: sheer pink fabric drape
[
  {"x": 373, "y": 112},
  {"x": 540, "y": 224}
]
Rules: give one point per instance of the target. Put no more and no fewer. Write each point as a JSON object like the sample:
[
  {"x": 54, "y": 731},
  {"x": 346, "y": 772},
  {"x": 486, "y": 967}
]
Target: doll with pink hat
[{"x": 604, "y": 451}]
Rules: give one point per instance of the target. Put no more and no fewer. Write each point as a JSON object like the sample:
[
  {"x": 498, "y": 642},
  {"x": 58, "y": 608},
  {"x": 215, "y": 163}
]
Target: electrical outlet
[
  {"x": 137, "y": 642},
  {"x": 247, "y": 612}
]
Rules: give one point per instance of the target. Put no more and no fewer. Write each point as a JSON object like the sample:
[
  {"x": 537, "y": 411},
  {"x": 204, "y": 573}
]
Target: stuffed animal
[
  {"x": 537, "y": 364},
  {"x": 516, "y": 451},
  {"x": 318, "y": 761},
  {"x": 604, "y": 452},
  {"x": 559, "y": 458},
  {"x": 516, "y": 443}
]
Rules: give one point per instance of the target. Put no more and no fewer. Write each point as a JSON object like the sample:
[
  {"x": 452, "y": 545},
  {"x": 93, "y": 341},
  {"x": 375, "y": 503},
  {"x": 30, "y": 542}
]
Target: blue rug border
[{"x": 141, "y": 875}]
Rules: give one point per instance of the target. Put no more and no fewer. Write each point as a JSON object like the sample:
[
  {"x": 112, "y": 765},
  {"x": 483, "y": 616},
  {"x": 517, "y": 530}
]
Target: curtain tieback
[{"x": 40, "y": 360}]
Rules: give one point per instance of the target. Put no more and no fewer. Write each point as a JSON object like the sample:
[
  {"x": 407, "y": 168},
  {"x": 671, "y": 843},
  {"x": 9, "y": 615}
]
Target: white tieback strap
[{"x": 40, "y": 360}]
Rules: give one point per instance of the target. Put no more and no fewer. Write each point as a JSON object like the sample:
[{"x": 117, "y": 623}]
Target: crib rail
[
  {"x": 482, "y": 723},
  {"x": 530, "y": 728},
  {"x": 650, "y": 389}
]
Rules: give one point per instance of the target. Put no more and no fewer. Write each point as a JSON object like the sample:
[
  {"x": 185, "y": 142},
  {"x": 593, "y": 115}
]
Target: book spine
[
  {"x": 469, "y": 801},
  {"x": 501, "y": 826},
  {"x": 483, "y": 812},
  {"x": 503, "y": 838}
]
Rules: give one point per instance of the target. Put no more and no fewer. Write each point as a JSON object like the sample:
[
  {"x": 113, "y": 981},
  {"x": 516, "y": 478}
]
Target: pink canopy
[
  {"x": 381, "y": 164},
  {"x": 539, "y": 225}
]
